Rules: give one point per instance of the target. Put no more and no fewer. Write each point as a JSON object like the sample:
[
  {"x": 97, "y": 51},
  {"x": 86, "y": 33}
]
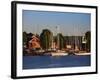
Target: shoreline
[{"x": 56, "y": 54}]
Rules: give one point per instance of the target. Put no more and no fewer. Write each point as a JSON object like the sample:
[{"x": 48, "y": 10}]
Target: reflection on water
[{"x": 36, "y": 62}]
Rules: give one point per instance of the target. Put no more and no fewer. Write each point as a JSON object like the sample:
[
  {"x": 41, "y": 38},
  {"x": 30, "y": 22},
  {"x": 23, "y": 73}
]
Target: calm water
[{"x": 36, "y": 62}]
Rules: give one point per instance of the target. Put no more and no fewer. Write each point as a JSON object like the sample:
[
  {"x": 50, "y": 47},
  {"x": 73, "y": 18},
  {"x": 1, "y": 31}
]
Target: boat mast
[
  {"x": 58, "y": 37},
  {"x": 52, "y": 41}
]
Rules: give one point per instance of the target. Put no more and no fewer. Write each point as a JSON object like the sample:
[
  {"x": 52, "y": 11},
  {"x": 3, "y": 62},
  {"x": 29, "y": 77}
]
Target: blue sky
[{"x": 69, "y": 23}]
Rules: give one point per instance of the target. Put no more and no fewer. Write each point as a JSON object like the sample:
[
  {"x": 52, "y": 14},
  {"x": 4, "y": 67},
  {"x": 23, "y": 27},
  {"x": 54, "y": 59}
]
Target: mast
[
  {"x": 52, "y": 44},
  {"x": 58, "y": 37}
]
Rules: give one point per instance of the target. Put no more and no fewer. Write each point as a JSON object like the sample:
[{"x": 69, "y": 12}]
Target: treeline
[{"x": 47, "y": 38}]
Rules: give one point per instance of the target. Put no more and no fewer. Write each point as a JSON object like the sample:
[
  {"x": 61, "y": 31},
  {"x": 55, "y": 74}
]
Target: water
[{"x": 37, "y": 62}]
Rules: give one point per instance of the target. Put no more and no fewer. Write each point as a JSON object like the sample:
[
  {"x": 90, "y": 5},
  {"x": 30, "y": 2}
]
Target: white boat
[
  {"x": 59, "y": 54},
  {"x": 82, "y": 53}
]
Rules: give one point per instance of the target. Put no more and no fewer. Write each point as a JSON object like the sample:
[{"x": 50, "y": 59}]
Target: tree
[
  {"x": 61, "y": 41},
  {"x": 46, "y": 39},
  {"x": 88, "y": 40},
  {"x": 29, "y": 37},
  {"x": 24, "y": 37}
]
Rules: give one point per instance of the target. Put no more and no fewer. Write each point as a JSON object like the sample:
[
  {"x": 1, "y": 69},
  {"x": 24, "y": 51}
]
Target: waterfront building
[
  {"x": 34, "y": 43},
  {"x": 74, "y": 42}
]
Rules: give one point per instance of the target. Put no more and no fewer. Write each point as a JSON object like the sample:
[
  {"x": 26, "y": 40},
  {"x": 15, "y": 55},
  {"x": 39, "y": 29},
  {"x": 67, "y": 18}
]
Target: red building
[{"x": 34, "y": 43}]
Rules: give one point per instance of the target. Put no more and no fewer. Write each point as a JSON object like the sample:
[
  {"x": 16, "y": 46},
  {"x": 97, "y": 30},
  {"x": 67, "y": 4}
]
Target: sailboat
[{"x": 58, "y": 52}]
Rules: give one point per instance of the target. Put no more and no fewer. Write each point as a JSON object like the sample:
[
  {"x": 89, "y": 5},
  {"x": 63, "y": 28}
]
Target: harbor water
[{"x": 37, "y": 62}]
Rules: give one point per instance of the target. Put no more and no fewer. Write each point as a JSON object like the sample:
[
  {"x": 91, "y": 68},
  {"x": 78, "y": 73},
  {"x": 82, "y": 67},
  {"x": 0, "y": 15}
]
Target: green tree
[
  {"x": 60, "y": 41},
  {"x": 46, "y": 39},
  {"x": 29, "y": 37},
  {"x": 88, "y": 40},
  {"x": 24, "y": 37}
]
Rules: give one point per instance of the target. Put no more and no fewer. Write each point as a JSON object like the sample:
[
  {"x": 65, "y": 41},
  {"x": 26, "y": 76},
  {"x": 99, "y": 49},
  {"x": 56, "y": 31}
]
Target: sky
[{"x": 69, "y": 23}]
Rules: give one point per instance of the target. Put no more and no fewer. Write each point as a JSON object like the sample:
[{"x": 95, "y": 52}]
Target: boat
[{"x": 59, "y": 54}]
